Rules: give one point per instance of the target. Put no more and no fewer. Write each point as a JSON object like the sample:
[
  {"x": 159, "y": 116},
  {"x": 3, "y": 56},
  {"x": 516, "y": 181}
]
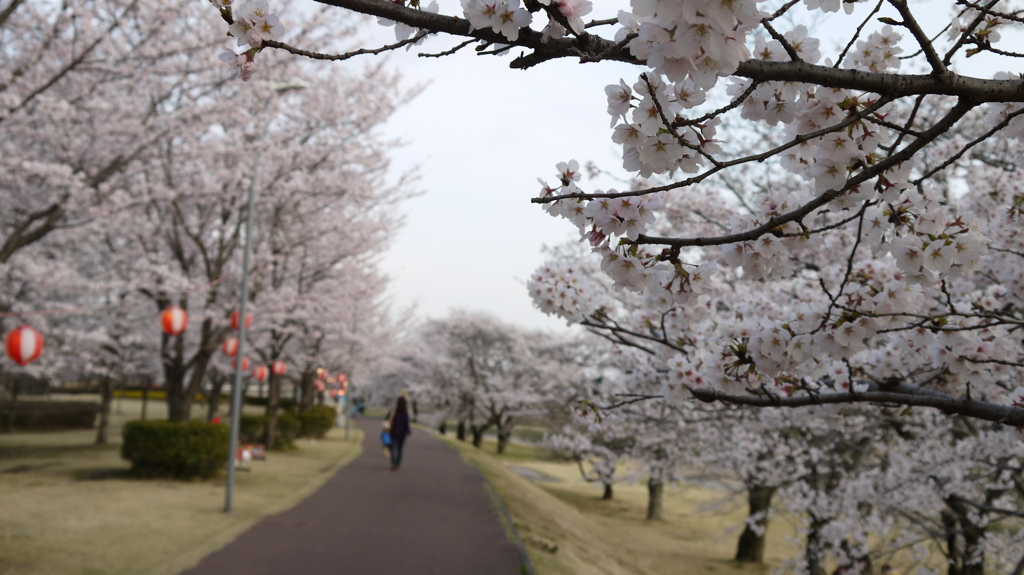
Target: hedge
[
  {"x": 253, "y": 429},
  {"x": 181, "y": 450},
  {"x": 317, "y": 421},
  {"x": 49, "y": 415},
  {"x": 285, "y": 403}
]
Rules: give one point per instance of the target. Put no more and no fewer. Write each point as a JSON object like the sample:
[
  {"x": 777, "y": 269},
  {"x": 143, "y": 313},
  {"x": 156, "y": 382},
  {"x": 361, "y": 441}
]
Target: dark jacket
[{"x": 399, "y": 426}]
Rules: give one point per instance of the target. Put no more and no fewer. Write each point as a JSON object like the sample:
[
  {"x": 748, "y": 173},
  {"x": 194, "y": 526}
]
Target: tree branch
[{"x": 1004, "y": 414}]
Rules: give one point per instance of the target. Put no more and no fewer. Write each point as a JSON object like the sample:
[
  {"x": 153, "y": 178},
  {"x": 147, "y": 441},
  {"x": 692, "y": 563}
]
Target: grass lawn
[
  {"x": 66, "y": 506},
  {"x": 568, "y": 529}
]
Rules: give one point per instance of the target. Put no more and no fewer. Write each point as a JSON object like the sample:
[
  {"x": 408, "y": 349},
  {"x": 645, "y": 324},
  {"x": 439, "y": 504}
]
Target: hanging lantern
[
  {"x": 342, "y": 378},
  {"x": 259, "y": 373},
  {"x": 230, "y": 346},
  {"x": 173, "y": 320},
  {"x": 24, "y": 344},
  {"x": 245, "y": 363},
  {"x": 234, "y": 320},
  {"x": 277, "y": 368},
  {"x": 320, "y": 385}
]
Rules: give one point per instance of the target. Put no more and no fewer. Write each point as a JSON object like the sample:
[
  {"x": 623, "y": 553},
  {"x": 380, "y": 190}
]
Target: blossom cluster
[
  {"x": 562, "y": 288},
  {"x": 701, "y": 40},
  {"x": 503, "y": 16},
  {"x": 252, "y": 24},
  {"x": 404, "y": 31}
]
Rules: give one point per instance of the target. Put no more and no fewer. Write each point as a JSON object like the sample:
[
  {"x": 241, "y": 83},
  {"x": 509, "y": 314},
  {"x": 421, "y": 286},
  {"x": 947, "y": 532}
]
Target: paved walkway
[{"x": 432, "y": 516}]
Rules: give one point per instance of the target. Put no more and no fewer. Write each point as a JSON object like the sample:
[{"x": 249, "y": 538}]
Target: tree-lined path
[{"x": 431, "y": 516}]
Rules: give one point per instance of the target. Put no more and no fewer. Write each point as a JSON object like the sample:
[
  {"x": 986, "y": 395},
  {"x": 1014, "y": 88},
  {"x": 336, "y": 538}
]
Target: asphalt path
[{"x": 432, "y": 516}]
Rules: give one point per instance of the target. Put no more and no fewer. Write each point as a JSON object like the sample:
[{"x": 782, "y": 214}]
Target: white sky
[{"x": 481, "y": 134}]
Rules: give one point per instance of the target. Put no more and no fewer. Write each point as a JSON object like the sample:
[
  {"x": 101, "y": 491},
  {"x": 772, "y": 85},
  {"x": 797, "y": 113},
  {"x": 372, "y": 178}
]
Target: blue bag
[{"x": 385, "y": 438}]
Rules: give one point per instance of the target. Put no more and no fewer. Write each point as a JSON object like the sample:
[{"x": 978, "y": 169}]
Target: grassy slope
[
  {"x": 612, "y": 537},
  {"x": 65, "y": 507}
]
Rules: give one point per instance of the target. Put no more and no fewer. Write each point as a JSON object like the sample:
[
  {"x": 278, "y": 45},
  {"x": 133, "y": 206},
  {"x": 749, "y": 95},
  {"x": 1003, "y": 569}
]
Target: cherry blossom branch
[
  {"x": 910, "y": 23},
  {"x": 345, "y": 56},
  {"x": 886, "y": 84},
  {"x": 738, "y": 100},
  {"x": 77, "y": 60},
  {"x": 967, "y": 33},
  {"x": 1002, "y": 124},
  {"x": 446, "y": 52},
  {"x": 1003, "y": 414},
  {"x": 6, "y": 13},
  {"x": 718, "y": 168},
  {"x": 947, "y": 122},
  {"x": 785, "y": 8},
  {"x": 986, "y": 10},
  {"x": 856, "y": 34}
]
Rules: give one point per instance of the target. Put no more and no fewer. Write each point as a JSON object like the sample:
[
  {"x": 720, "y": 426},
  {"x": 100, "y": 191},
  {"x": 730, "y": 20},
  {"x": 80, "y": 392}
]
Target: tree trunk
[
  {"x": 307, "y": 391},
  {"x": 752, "y": 541},
  {"x": 181, "y": 393},
  {"x": 963, "y": 540},
  {"x": 478, "y": 434},
  {"x": 443, "y": 428},
  {"x": 460, "y": 431},
  {"x": 106, "y": 398},
  {"x": 273, "y": 399},
  {"x": 503, "y": 437},
  {"x": 216, "y": 386},
  {"x": 145, "y": 397},
  {"x": 15, "y": 388},
  {"x": 655, "y": 500},
  {"x": 607, "y": 492},
  {"x": 814, "y": 556}
]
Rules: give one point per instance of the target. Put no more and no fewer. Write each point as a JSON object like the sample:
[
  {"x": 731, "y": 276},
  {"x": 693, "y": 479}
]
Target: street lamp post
[{"x": 236, "y": 388}]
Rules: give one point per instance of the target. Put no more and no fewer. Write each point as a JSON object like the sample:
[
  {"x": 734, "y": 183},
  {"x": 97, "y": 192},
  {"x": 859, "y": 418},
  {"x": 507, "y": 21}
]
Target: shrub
[
  {"x": 181, "y": 450},
  {"x": 317, "y": 421},
  {"x": 288, "y": 428},
  {"x": 253, "y": 429},
  {"x": 49, "y": 415}
]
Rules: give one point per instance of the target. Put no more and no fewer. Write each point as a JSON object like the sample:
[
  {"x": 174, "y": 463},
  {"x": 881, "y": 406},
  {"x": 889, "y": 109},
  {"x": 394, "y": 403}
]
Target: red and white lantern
[
  {"x": 245, "y": 363},
  {"x": 320, "y": 385},
  {"x": 24, "y": 344},
  {"x": 259, "y": 373},
  {"x": 234, "y": 320},
  {"x": 277, "y": 368},
  {"x": 230, "y": 346},
  {"x": 173, "y": 320}
]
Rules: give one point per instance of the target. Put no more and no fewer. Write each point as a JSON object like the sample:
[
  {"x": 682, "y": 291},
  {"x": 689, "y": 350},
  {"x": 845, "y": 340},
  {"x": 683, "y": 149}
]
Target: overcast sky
[{"x": 481, "y": 134}]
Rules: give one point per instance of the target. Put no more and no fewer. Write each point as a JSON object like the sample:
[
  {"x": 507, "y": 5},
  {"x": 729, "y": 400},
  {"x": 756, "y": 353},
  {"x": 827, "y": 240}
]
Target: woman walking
[{"x": 399, "y": 430}]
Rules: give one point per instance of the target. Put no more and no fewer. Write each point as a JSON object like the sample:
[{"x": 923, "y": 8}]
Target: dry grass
[
  {"x": 592, "y": 536},
  {"x": 67, "y": 508}
]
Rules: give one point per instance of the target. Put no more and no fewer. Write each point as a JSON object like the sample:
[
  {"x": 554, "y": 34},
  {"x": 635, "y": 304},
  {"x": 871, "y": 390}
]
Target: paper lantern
[
  {"x": 24, "y": 344},
  {"x": 234, "y": 320},
  {"x": 230, "y": 346},
  {"x": 245, "y": 363},
  {"x": 277, "y": 368},
  {"x": 259, "y": 373},
  {"x": 173, "y": 320},
  {"x": 320, "y": 386}
]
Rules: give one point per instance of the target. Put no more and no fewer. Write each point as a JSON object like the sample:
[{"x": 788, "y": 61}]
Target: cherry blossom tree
[
  {"x": 871, "y": 148},
  {"x": 490, "y": 374}
]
